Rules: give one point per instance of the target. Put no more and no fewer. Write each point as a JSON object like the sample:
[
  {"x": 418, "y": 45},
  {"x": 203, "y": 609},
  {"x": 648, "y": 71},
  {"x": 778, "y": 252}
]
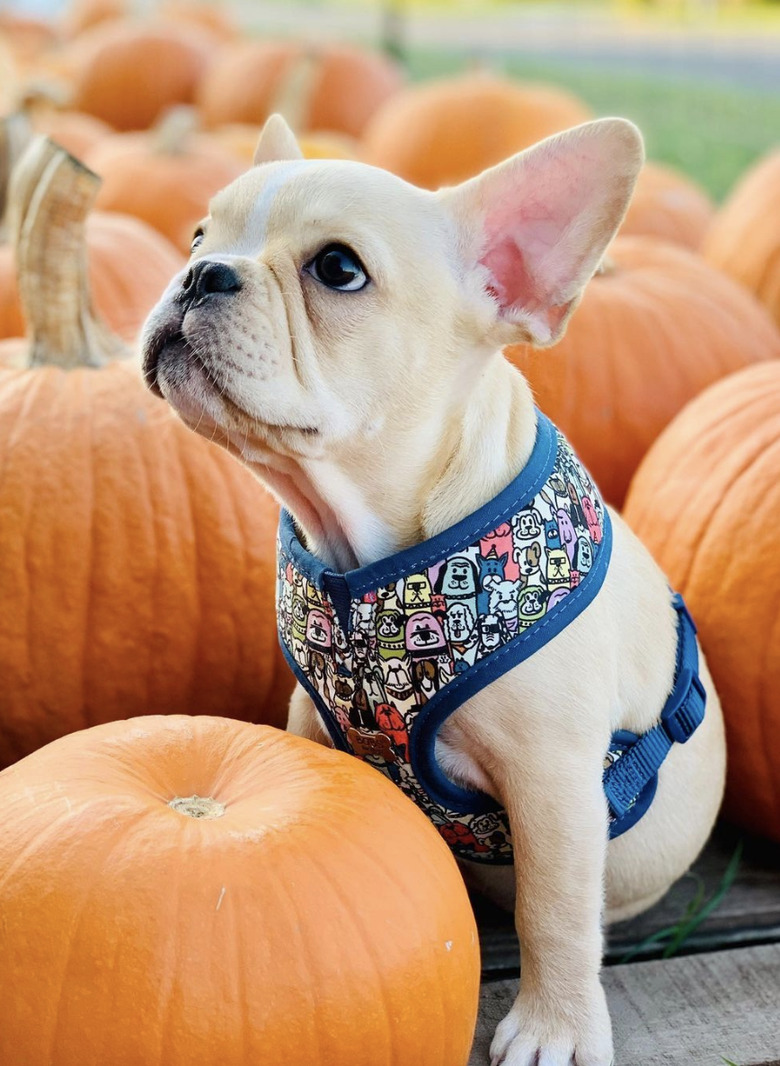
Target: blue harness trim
[{"x": 318, "y": 644}]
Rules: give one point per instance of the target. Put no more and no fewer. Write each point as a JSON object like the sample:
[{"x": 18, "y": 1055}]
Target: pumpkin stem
[
  {"x": 174, "y": 129},
  {"x": 198, "y": 806},
  {"x": 15, "y": 135},
  {"x": 296, "y": 88},
  {"x": 50, "y": 197}
]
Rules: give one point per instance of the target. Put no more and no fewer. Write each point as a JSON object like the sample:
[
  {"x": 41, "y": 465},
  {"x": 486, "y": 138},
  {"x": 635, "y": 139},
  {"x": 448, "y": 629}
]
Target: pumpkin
[
  {"x": 654, "y": 328},
  {"x": 198, "y": 891},
  {"x": 330, "y": 87},
  {"x": 165, "y": 177},
  {"x": 706, "y": 502},
  {"x": 128, "y": 74},
  {"x": 443, "y": 132},
  {"x": 669, "y": 205},
  {"x": 744, "y": 238},
  {"x": 129, "y": 263},
  {"x": 74, "y": 131},
  {"x": 137, "y": 560}
]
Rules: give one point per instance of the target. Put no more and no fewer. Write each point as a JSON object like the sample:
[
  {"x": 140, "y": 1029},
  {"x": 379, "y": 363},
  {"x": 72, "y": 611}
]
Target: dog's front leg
[
  {"x": 303, "y": 719},
  {"x": 553, "y": 795}
]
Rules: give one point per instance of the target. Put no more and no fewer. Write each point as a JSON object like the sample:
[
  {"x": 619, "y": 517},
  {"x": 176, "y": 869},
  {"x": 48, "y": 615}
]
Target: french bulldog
[{"x": 340, "y": 332}]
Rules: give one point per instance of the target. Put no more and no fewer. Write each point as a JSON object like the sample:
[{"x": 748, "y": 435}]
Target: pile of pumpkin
[{"x": 137, "y": 560}]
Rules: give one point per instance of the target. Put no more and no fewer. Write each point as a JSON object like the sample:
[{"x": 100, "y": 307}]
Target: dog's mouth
[{"x": 170, "y": 363}]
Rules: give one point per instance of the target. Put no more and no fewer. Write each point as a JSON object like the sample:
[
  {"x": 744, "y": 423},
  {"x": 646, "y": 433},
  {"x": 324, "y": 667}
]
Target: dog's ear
[
  {"x": 535, "y": 227},
  {"x": 277, "y": 142}
]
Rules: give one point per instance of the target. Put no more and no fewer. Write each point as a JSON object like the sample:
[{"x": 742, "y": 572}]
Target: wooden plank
[
  {"x": 692, "y": 1011},
  {"x": 748, "y": 914}
]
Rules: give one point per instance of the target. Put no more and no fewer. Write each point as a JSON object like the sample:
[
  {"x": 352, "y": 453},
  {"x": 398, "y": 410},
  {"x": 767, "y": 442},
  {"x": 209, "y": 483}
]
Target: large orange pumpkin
[
  {"x": 137, "y": 560},
  {"x": 165, "y": 177},
  {"x": 128, "y": 74},
  {"x": 744, "y": 239},
  {"x": 203, "y": 892},
  {"x": 328, "y": 87},
  {"x": 443, "y": 132},
  {"x": 669, "y": 205},
  {"x": 654, "y": 328},
  {"x": 706, "y": 501}
]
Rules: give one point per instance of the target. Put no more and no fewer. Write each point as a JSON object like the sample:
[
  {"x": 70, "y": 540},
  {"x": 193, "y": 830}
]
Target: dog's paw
[{"x": 535, "y": 1034}]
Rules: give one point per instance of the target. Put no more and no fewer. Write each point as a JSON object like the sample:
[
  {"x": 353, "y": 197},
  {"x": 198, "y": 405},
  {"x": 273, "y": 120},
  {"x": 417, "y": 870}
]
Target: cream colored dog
[{"x": 340, "y": 331}]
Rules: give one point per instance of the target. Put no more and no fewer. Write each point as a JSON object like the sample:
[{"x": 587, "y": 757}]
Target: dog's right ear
[{"x": 277, "y": 142}]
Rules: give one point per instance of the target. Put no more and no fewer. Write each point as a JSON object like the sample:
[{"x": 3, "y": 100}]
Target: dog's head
[{"x": 326, "y": 301}]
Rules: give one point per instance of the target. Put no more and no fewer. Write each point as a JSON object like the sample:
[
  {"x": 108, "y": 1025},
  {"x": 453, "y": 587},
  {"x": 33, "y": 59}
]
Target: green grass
[{"x": 710, "y": 131}]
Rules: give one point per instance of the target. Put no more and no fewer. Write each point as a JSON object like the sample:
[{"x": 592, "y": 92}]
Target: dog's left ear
[
  {"x": 534, "y": 228},
  {"x": 277, "y": 142}
]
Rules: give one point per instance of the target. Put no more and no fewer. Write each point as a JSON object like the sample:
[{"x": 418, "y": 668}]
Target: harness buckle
[{"x": 684, "y": 710}]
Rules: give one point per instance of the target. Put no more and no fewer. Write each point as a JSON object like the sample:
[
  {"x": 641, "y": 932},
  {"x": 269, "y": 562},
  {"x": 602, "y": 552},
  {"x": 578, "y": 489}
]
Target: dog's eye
[
  {"x": 337, "y": 267},
  {"x": 197, "y": 238}
]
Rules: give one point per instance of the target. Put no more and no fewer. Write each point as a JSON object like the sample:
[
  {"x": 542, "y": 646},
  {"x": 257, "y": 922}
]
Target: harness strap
[{"x": 683, "y": 713}]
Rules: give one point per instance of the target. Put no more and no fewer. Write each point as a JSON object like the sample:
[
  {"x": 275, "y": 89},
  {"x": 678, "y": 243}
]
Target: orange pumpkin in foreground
[
  {"x": 744, "y": 239},
  {"x": 198, "y": 891},
  {"x": 137, "y": 560},
  {"x": 656, "y": 327},
  {"x": 669, "y": 205},
  {"x": 443, "y": 132},
  {"x": 706, "y": 501}
]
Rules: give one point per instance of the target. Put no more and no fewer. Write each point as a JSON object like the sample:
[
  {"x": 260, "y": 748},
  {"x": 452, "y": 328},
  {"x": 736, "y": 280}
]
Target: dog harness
[{"x": 389, "y": 651}]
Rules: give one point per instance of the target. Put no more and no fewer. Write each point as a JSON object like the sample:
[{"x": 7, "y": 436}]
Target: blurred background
[{"x": 701, "y": 77}]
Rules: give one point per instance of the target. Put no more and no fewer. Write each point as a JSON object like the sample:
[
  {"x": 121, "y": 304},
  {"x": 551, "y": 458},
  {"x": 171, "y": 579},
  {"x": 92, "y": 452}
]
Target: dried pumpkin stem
[
  {"x": 15, "y": 135},
  {"x": 606, "y": 268},
  {"x": 50, "y": 197},
  {"x": 292, "y": 98},
  {"x": 173, "y": 131}
]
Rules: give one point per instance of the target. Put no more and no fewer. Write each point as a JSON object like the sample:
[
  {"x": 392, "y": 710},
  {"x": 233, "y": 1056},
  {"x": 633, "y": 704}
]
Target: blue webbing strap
[{"x": 681, "y": 716}]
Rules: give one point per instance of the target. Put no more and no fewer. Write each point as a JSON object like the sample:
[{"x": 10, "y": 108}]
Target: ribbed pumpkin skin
[
  {"x": 127, "y": 74},
  {"x": 645, "y": 340},
  {"x": 446, "y": 131},
  {"x": 669, "y": 205},
  {"x": 320, "y": 921},
  {"x": 330, "y": 87},
  {"x": 744, "y": 239},
  {"x": 706, "y": 502},
  {"x": 170, "y": 192},
  {"x": 137, "y": 562},
  {"x": 130, "y": 264},
  {"x": 74, "y": 130}
]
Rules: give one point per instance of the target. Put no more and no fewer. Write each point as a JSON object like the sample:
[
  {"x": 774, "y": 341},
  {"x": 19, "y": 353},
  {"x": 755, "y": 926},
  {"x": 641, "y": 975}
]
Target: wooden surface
[
  {"x": 691, "y": 1011},
  {"x": 749, "y": 913}
]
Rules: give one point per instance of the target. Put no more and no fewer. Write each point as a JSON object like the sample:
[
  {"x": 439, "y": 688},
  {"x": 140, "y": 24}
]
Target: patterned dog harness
[{"x": 389, "y": 651}]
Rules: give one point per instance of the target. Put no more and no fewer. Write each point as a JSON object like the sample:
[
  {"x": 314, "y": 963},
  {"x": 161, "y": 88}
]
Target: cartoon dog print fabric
[{"x": 406, "y": 642}]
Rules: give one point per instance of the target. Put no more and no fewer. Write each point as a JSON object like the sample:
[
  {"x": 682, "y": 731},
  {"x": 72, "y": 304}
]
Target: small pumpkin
[
  {"x": 165, "y": 177},
  {"x": 74, "y": 131},
  {"x": 706, "y": 502},
  {"x": 127, "y": 74},
  {"x": 655, "y": 327},
  {"x": 669, "y": 205},
  {"x": 137, "y": 560},
  {"x": 443, "y": 132},
  {"x": 198, "y": 891},
  {"x": 327, "y": 87},
  {"x": 744, "y": 238},
  {"x": 82, "y": 15}
]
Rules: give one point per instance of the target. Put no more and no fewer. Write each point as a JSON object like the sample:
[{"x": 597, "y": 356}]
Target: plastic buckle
[
  {"x": 681, "y": 607},
  {"x": 684, "y": 711}
]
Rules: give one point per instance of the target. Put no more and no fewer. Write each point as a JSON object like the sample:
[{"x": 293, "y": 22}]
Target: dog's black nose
[{"x": 206, "y": 277}]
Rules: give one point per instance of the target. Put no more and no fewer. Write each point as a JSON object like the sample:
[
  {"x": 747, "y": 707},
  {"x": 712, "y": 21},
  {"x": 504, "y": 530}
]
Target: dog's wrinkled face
[
  {"x": 326, "y": 300},
  {"x": 292, "y": 325}
]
